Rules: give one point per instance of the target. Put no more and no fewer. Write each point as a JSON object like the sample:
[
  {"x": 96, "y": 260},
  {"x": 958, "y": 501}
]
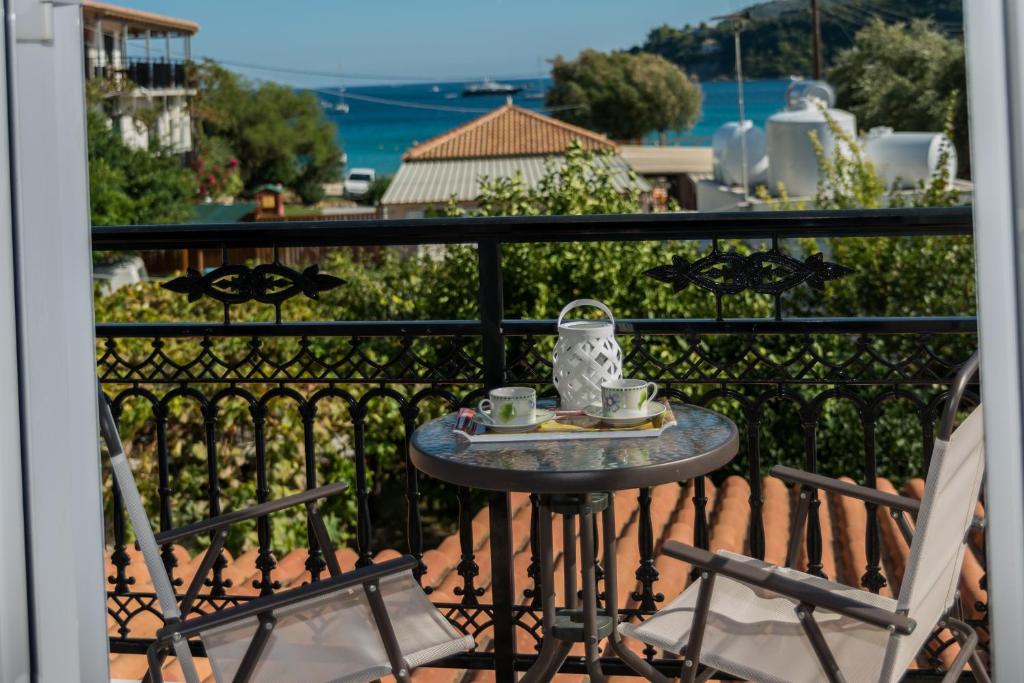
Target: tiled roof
[
  {"x": 843, "y": 523},
  {"x": 508, "y": 131},
  {"x": 434, "y": 182}
]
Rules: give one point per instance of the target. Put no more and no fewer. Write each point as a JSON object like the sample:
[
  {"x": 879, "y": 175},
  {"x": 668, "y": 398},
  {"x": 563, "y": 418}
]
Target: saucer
[
  {"x": 654, "y": 409},
  {"x": 540, "y": 417}
]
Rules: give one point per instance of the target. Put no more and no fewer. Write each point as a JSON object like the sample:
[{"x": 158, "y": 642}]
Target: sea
[{"x": 384, "y": 120}]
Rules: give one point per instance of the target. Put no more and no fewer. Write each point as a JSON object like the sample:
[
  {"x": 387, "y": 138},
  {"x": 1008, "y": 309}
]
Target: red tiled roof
[
  {"x": 504, "y": 132},
  {"x": 843, "y": 523}
]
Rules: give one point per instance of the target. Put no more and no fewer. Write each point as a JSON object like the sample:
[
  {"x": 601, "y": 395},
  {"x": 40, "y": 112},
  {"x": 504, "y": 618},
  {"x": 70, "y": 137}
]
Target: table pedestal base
[{"x": 588, "y": 624}]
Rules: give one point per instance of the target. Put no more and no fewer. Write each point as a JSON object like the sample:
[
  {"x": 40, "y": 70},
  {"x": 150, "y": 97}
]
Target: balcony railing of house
[
  {"x": 172, "y": 379},
  {"x": 156, "y": 73}
]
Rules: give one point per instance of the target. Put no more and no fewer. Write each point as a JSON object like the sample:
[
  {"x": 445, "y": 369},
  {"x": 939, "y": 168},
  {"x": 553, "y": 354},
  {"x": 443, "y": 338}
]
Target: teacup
[
  {"x": 510, "y": 406},
  {"x": 627, "y": 397}
]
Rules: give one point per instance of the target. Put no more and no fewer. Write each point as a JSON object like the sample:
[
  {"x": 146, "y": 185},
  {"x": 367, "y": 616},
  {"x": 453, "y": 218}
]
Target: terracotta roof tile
[
  {"x": 843, "y": 525},
  {"x": 508, "y": 131}
]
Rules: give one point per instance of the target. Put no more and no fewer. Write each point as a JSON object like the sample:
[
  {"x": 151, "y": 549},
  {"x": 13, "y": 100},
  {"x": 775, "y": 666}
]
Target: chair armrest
[
  {"x": 865, "y": 493},
  {"x": 798, "y": 590},
  {"x": 229, "y": 518},
  {"x": 276, "y": 601}
]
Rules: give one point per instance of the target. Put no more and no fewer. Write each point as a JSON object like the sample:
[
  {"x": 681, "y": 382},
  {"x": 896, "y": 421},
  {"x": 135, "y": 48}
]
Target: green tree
[
  {"x": 776, "y": 40},
  {"x": 582, "y": 182},
  {"x": 902, "y": 75},
  {"x": 277, "y": 134},
  {"x": 134, "y": 186},
  {"x": 624, "y": 95}
]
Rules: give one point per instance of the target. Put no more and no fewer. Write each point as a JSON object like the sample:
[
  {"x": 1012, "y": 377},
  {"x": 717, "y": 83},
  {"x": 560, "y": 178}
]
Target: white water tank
[
  {"x": 727, "y": 154},
  {"x": 790, "y": 151},
  {"x": 802, "y": 89},
  {"x": 907, "y": 158}
]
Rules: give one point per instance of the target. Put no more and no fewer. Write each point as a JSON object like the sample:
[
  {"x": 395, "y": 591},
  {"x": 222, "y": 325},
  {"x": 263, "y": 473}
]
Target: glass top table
[
  {"x": 700, "y": 442},
  {"x": 577, "y": 480}
]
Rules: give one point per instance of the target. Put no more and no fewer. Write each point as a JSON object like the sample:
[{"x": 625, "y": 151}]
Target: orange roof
[
  {"x": 137, "y": 20},
  {"x": 508, "y": 131},
  {"x": 843, "y": 524}
]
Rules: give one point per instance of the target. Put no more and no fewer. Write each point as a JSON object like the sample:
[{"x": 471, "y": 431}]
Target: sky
[{"x": 419, "y": 39}]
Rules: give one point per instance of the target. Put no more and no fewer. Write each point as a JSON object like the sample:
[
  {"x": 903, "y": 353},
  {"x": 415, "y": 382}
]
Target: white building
[{"x": 146, "y": 91}]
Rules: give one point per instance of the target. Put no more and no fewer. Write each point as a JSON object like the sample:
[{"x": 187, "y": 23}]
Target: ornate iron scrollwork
[
  {"x": 269, "y": 283},
  {"x": 766, "y": 272}
]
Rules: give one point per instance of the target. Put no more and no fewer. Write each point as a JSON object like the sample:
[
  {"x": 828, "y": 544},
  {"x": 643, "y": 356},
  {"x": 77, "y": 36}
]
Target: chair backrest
[
  {"x": 947, "y": 511},
  {"x": 125, "y": 481}
]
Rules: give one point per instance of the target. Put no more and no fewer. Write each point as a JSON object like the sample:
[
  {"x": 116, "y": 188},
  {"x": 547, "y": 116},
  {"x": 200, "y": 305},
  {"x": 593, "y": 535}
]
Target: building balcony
[
  {"x": 156, "y": 74},
  {"x": 249, "y": 379}
]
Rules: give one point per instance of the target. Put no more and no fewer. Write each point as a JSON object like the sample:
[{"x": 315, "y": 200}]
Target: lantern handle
[{"x": 586, "y": 302}]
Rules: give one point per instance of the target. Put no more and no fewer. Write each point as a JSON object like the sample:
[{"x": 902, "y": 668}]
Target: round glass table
[{"x": 577, "y": 478}]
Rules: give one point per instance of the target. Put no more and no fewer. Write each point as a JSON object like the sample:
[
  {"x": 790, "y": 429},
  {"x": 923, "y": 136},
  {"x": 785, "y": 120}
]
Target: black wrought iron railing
[
  {"x": 793, "y": 377},
  {"x": 156, "y": 73}
]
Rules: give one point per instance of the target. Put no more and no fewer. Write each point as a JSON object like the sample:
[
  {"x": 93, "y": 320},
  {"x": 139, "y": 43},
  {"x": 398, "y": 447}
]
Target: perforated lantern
[{"x": 586, "y": 355}]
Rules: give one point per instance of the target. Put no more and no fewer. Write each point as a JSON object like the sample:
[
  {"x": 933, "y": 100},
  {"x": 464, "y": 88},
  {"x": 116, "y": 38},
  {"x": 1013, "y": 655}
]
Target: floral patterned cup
[
  {"x": 510, "y": 406},
  {"x": 627, "y": 397}
]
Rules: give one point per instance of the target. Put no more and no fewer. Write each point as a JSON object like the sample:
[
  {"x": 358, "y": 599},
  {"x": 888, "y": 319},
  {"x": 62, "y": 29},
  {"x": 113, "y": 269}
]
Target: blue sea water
[{"x": 374, "y": 134}]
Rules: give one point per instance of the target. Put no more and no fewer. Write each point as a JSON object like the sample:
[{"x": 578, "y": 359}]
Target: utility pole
[
  {"x": 738, "y": 19},
  {"x": 816, "y": 39}
]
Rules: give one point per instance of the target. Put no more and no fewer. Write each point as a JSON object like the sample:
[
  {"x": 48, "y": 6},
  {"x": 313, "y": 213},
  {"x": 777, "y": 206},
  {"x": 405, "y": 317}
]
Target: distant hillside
[{"x": 777, "y": 40}]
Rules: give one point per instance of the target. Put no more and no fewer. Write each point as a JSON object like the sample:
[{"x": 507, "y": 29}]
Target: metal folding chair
[
  {"x": 767, "y": 623},
  {"x": 348, "y": 628}
]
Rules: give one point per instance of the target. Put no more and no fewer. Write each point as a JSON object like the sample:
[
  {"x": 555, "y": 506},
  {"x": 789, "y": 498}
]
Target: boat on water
[{"x": 489, "y": 87}]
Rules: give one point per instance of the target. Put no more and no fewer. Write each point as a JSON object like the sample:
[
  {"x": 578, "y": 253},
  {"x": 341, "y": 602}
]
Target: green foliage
[
  {"x": 903, "y": 76},
  {"x": 893, "y": 276},
  {"x": 378, "y": 187},
  {"x": 581, "y": 182},
  {"x": 623, "y": 95},
  {"x": 216, "y": 169},
  {"x": 776, "y": 41},
  {"x": 131, "y": 186},
  {"x": 847, "y": 179},
  {"x": 279, "y": 135}
]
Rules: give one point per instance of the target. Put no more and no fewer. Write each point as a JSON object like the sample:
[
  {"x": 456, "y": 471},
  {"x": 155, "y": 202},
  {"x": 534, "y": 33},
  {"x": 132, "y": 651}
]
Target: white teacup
[
  {"x": 627, "y": 397},
  {"x": 510, "y": 406}
]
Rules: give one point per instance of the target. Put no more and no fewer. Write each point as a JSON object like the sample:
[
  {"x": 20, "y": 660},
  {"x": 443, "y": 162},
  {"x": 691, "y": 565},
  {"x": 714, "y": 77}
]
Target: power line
[
  {"x": 349, "y": 95},
  {"x": 355, "y": 76}
]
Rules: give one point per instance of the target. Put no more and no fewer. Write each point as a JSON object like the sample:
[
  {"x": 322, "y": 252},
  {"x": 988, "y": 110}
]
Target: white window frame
[
  {"x": 55, "y": 382},
  {"x": 995, "y": 76}
]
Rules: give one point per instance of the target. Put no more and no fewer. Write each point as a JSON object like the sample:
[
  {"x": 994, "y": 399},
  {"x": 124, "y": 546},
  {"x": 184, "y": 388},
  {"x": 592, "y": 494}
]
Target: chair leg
[
  {"x": 967, "y": 637},
  {"x": 155, "y": 658},
  {"x": 255, "y": 650},
  {"x": 978, "y": 668},
  {"x": 706, "y": 675},
  {"x": 700, "y": 621},
  {"x": 805, "y": 613}
]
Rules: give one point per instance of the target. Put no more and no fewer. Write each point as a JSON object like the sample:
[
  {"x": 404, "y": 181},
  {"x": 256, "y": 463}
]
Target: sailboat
[{"x": 341, "y": 106}]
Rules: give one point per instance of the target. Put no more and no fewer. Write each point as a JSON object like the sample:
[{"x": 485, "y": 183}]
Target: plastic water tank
[
  {"x": 727, "y": 154},
  {"x": 907, "y": 158},
  {"x": 801, "y": 90},
  {"x": 790, "y": 151}
]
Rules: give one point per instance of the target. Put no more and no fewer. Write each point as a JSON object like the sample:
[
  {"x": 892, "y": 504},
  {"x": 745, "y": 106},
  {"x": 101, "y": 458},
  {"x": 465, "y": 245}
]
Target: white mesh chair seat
[
  {"x": 755, "y": 634},
  {"x": 332, "y": 638}
]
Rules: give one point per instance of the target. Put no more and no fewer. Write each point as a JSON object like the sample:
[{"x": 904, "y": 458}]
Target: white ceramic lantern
[{"x": 586, "y": 355}]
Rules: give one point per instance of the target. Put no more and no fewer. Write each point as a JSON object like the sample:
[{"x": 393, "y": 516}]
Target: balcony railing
[
  {"x": 156, "y": 73},
  {"x": 778, "y": 368}
]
